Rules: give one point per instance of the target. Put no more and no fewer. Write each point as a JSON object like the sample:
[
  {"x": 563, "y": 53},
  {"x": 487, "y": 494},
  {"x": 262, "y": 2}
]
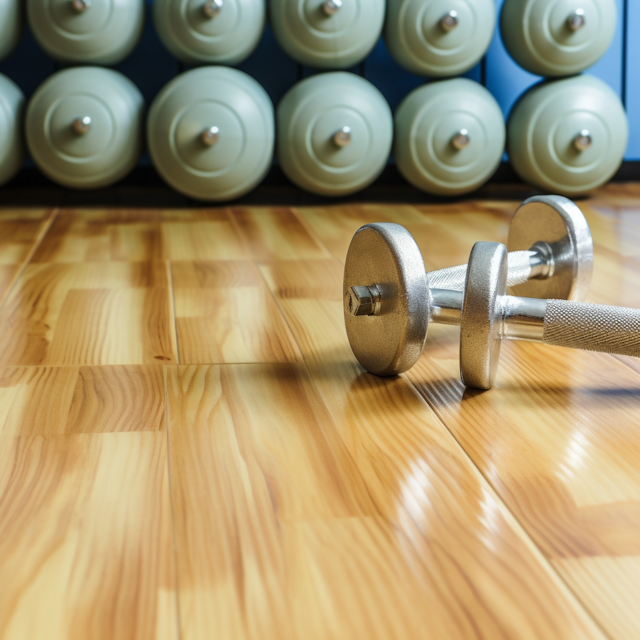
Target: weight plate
[
  {"x": 439, "y": 38},
  {"x": 385, "y": 254},
  {"x": 557, "y": 37},
  {"x": 312, "y": 150},
  {"x": 481, "y": 315},
  {"x": 211, "y": 133},
  {"x": 197, "y": 31},
  {"x": 449, "y": 136},
  {"x": 11, "y": 25},
  {"x": 11, "y": 115},
  {"x": 86, "y": 31},
  {"x": 111, "y": 142},
  {"x": 321, "y": 34},
  {"x": 545, "y": 135},
  {"x": 558, "y": 222}
]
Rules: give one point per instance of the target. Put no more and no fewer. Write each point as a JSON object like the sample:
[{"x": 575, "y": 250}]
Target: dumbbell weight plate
[
  {"x": 538, "y": 37},
  {"x": 193, "y": 103},
  {"x": 11, "y": 113},
  {"x": 104, "y": 33},
  {"x": 111, "y": 145},
  {"x": 391, "y": 342},
  {"x": 560, "y": 223},
  {"x": 327, "y": 40},
  {"x": 417, "y": 40},
  {"x": 310, "y": 115},
  {"x": 425, "y": 126},
  {"x": 11, "y": 22},
  {"x": 194, "y": 37},
  {"x": 480, "y": 319},
  {"x": 544, "y": 126}
]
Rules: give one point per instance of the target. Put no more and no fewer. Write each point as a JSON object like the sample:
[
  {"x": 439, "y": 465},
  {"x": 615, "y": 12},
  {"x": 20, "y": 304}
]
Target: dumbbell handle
[
  {"x": 523, "y": 265},
  {"x": 563, "y": 323},
  {"x": 592, "y": 327}
]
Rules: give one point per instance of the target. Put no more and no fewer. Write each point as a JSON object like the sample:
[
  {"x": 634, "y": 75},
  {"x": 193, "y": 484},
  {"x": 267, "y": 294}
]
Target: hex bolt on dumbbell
[
  {"x": 550, "y": 252},
  {"x": 331, "y": 7},
  {"x": 449, "y": 21},
  {"x": 210, "y": 136},
  {"x": 342, "y": 137},
  {"x": 387, "y": 336},
  {"x": 81, "y": 125},
  {"x": 80, "y": 6},
  {"x": 576, "y": 20},
  {"x": 212, "y": 8}
]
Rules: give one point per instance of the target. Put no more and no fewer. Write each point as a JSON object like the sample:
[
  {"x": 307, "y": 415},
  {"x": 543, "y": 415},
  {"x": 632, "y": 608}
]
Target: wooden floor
[{"x": 188, "y": 448}]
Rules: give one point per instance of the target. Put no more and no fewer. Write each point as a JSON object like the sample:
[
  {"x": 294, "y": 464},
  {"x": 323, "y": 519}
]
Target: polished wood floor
[{"x": 188, "y": 448}]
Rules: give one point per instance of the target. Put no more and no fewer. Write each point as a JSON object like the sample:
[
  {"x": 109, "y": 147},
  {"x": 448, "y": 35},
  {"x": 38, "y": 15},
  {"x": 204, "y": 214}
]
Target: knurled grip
[
  {"x": 592, "y": 327},
  {"x": 454, "y": 278}
]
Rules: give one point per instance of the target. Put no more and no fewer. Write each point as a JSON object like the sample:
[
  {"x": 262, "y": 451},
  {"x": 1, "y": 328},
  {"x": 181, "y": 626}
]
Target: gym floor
[{"x": 188, "y": 448}]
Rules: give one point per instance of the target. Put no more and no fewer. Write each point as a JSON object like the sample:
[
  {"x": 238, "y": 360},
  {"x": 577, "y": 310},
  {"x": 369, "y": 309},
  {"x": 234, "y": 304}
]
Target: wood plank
[
  {"x": 276, "y": 233},
  {"x": 88, "y": 235},
  {"x": 557, "y": 437},
  {"x": 20, "y": 231},
  {"x": 91, "y": 313},
  {"x": 85, "y": 527},
  {"x": 445, "y": 233},
  {"x": 225, "y": 313},
  {"x": 421, "y": 485}
]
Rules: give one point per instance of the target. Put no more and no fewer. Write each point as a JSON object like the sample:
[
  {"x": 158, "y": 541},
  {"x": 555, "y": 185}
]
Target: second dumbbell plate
[{"x": 560, "y": 223}]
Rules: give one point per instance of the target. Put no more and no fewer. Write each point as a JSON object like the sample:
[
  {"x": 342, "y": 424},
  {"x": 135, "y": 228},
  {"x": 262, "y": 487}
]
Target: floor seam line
[{"x": 518, "y": 526}]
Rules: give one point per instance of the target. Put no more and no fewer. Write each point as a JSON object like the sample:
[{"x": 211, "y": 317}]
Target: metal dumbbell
[
  {"x": 387, "y": 335},
  {"x": 550, "y": 252}
]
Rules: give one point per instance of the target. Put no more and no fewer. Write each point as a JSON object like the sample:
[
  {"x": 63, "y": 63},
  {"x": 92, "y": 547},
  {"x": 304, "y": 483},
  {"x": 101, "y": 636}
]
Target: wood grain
[
  {"x": 293, "y": 495},
  {"x": 557, "y": 437},
  {"x": 88, "y": 313},
  {"x": 225, "y": 313},
  {"x": 403, "y": 454},
  {"x": 141, "y": 236},
  {"x": 20, "y": 232},
  {"x": 276, "y": 234},
  {"x": 85, "y": 529}
]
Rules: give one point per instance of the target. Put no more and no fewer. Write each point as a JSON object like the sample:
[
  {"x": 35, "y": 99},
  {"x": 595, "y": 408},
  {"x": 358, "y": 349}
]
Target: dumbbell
[
  {"x": 210, "y": 31},
  {"x": 86, "y": 31},
  {"x": 550, "y": 252},
  {"x": 211, "y": 133},
  {"x": 439, "y": 38},
  {"x": 554, "y": 38},
  {"x": 334, "y": 133},
  {"x": 11, "y": 24},
  {"x": 389, "y": 303},
  {"x": 567, "y": 136},
  {"x": 84, "y": 127},
  {"x": 11, "y": 116},
  {"x": 449, "y": 136},
  {"x": 327, "y": 34}
]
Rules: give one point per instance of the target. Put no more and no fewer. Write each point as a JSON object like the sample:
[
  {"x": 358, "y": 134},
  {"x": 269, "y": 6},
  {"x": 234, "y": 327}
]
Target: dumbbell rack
[{"x": 29, "y": 66}]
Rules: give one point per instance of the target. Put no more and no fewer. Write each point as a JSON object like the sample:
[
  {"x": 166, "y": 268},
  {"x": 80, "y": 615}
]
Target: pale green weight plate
[
  {"x": 211, "y": 133},
  {"x": 545, "y": 138},
  {"x": 210, "y": 31},
  {"x": 439, "y": 38},
  {"x": 449, "y": 136},
  {"x": 11, "y": 115},
  {"x": 86, "y": 31},
  {"x": 334, "y": 133},
  {"x": 557, "y": 37},
  {"x": 85, "y": 127},
  {"x": 327, "y": 34},
  {"x": 11, "y": 24}
]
